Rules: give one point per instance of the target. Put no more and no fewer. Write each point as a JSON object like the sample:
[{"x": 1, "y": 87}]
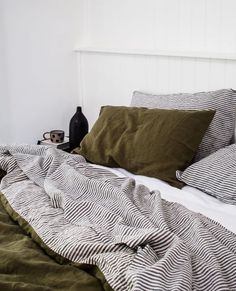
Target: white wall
[
  {"x": 5, "y": 122},
  {"x": 42, "y": 80},
  {"x": 165, "y": 24},
  {"x": 181, "y": 25},
  {"x": 40, "y": 66}
]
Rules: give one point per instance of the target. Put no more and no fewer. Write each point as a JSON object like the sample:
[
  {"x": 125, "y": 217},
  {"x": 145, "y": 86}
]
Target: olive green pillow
[{"x": 150, "y": 142}]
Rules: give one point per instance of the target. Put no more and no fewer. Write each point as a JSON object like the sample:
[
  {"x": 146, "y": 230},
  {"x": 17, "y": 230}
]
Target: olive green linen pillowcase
[{"x": 150, "y": 142}]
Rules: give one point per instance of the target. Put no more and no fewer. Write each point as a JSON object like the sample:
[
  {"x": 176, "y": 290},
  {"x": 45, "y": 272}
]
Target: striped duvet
[{"x": 138, "y": 240}]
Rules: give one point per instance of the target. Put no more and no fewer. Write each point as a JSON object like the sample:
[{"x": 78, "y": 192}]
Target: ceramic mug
[{"x": 56, "y": 136}]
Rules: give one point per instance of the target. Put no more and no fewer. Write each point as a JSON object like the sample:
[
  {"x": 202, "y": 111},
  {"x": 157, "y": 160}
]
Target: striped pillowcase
[
  {"x": 221, "y": 130},
  {"x": 214, "y": 175}
]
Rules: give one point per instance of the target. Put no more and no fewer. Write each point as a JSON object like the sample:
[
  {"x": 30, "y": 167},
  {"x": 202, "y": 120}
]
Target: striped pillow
[
  {"x": 221, "y": 130},
  {"x": 215, "y": 175}
]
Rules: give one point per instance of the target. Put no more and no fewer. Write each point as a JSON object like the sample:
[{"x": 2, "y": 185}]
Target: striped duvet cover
[{"x": 137, "y": 239}]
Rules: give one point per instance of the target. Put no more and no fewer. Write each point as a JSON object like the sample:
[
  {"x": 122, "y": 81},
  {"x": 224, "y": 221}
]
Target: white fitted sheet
[{"x": 190, "y": 197}]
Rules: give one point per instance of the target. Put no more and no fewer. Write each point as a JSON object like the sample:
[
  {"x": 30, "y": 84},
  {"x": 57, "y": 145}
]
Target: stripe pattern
[
  {"x": 214, "y": 175},
  {"x": 221, "y": 129},
  {"x": 138, "y": 240}
]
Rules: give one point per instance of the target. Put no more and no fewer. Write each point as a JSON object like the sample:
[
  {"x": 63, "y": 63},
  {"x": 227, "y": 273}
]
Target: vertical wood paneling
[
  {"x": 202, "y": 74},
  {"x": 230, "y": 74},
  {"x": 191, "y": 25},
  {"x": 217, "y": 74},
  {"x": 188, "y": 75},
  {"x": 175, "y": 74},
  {"x": 159, "y": 79},
  {"x": 111, "y": 79}
]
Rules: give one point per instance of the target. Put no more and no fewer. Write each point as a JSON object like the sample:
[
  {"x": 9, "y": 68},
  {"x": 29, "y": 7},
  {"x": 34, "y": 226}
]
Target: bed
[{"x": 70, "y": 224}]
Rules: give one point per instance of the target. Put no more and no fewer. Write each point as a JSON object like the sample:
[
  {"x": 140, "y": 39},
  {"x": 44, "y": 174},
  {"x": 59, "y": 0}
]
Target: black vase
[{"x": 78, "y": 128}]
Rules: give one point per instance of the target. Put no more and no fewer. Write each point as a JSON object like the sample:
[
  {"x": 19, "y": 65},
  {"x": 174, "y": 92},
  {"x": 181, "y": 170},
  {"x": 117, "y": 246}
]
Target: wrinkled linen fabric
[{"x": 137, "y": 239}]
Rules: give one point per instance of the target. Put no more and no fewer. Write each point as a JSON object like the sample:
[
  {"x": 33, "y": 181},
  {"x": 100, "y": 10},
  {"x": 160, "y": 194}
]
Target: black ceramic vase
[{"x": 78, "y": 128}]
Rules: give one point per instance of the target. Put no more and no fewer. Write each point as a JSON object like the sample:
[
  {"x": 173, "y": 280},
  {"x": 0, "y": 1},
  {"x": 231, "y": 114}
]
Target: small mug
[{"x": 56, "y": 136}]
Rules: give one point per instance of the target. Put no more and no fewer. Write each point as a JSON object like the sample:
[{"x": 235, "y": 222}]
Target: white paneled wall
[
  {"x": 111, "y": 79},
  {"x": 163, "y": 24},
  {"x": 207, "y": 26}
]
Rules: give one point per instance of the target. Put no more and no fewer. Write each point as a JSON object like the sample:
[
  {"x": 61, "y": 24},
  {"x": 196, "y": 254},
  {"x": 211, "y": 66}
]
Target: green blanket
[{"x": 27, "y": 264}]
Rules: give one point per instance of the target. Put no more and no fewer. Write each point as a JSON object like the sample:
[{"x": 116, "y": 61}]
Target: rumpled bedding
[
  {"x": 137, "y": 239},
  {"x": 26, "y": 264}
]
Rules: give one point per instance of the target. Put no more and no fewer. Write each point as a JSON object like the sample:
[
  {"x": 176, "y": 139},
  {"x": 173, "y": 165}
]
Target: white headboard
[{"x": 109, "y": 76}]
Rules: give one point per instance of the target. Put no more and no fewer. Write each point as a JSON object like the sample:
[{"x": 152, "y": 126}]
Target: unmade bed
[
  {"x": 147, "y": 203},
  {"x": 137, "y": 239}
]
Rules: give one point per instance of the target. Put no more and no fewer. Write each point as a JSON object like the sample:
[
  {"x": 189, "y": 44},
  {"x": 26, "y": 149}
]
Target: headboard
[{"x": 109, "y": 76}]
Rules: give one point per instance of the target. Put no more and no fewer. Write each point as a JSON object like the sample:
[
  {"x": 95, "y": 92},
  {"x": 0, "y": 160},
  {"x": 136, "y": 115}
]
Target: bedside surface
[{"x": 65, "y": 146}]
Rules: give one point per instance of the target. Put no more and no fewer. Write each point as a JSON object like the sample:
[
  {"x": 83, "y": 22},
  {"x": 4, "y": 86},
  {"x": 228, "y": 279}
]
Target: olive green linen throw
[
  {"x": 150, "y": 142},
  {"x": 27, "y": 264}
]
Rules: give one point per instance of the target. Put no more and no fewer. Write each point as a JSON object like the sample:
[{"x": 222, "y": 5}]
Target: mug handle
[{"x": 44, "y": 135}]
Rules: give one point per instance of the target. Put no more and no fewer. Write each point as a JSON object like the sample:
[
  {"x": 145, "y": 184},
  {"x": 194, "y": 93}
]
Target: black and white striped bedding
[
  {"x": 220, "y": 180},
  {"x": 139, "y": 240}
]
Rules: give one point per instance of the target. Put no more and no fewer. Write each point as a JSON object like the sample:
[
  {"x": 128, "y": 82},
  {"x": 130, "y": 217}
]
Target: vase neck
[{"x": 78, "y": 109}]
